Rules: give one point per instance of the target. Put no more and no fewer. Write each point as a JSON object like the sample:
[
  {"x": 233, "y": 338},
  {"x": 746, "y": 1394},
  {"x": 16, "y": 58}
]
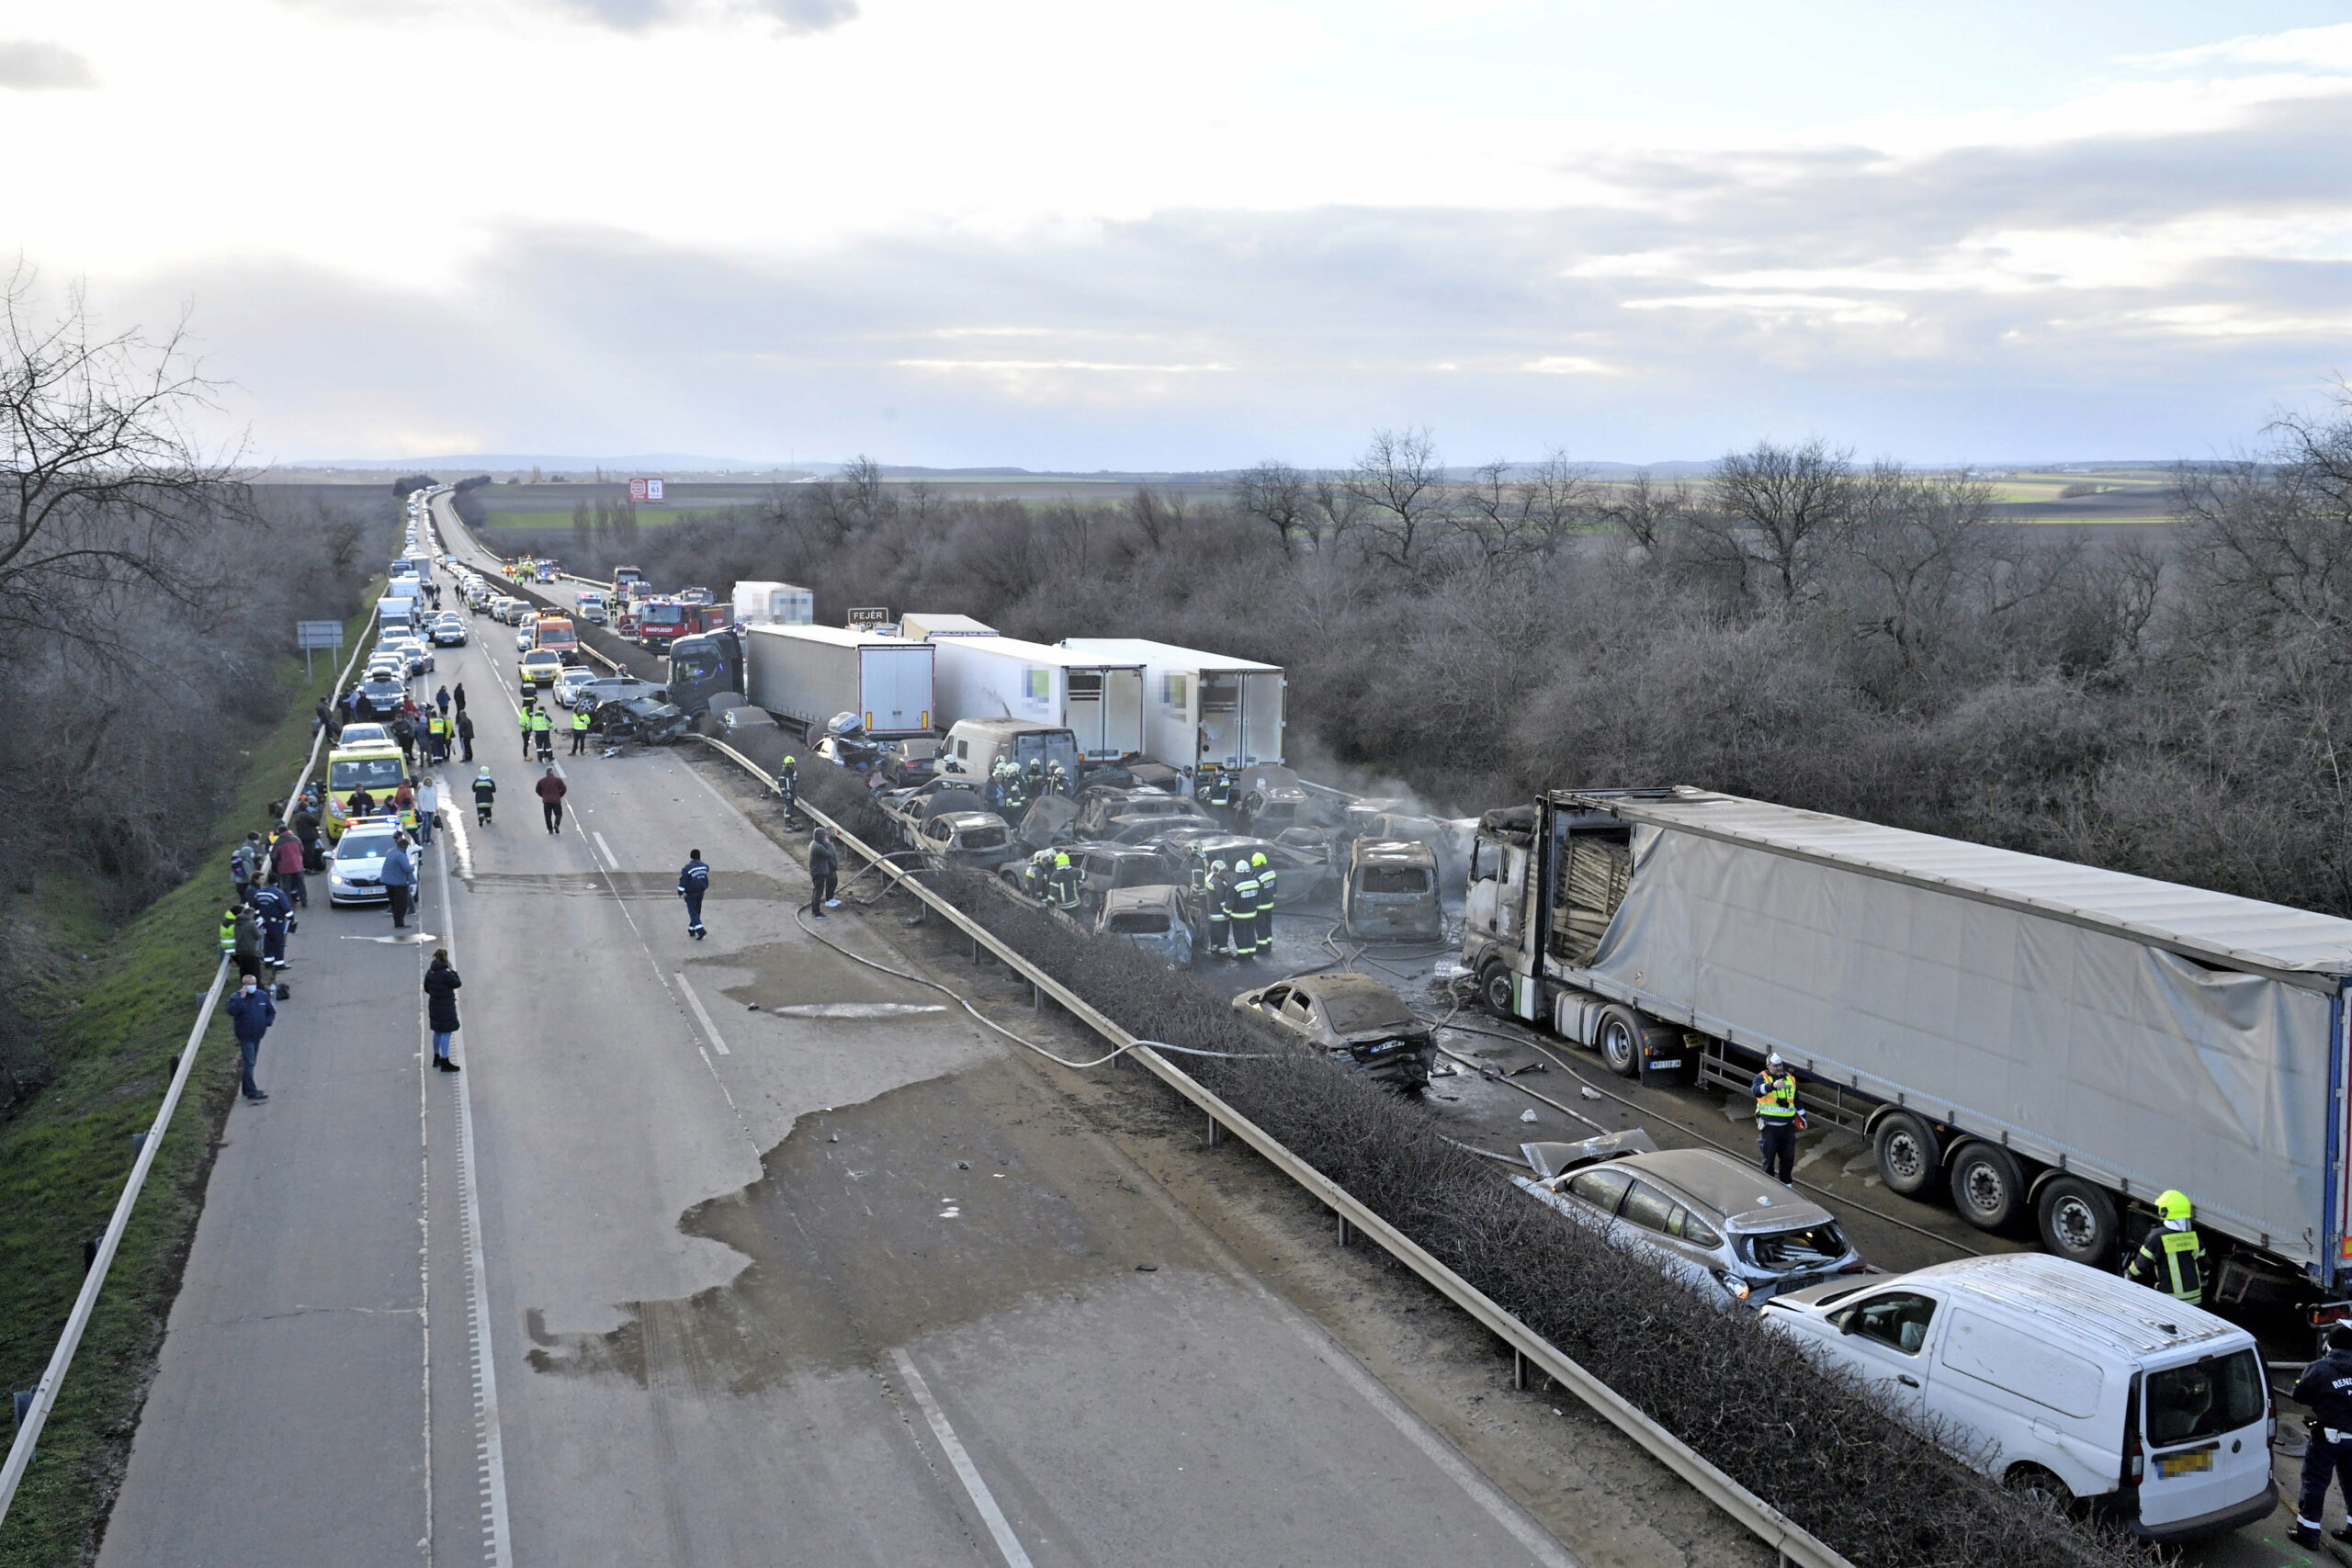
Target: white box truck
[
  {"x": 774, "y": 603},
  {"x": 1099, "y": 700},
  {"x": 917, "y": 628},
  {"x": 804, "y": 675},
  {"x": 2053, "y": 1046},
  {"x": 1201, "y": 710}
]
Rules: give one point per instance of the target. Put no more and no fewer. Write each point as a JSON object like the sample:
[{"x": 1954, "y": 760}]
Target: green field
[{"x": 647, "y": 517}]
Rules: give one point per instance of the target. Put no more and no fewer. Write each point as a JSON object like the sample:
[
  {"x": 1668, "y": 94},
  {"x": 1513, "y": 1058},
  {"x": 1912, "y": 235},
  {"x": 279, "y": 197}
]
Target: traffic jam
[{"x": 1841, "y": 987}]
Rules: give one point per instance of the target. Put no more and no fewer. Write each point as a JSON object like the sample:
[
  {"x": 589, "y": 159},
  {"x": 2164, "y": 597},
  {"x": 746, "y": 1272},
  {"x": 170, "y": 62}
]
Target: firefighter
[
  {"x": 1200, "y": 875},
  {"x": 1214, "y": 894},
  {"x": 1266, "y": 875},
  {"x": 1057, "y": 781},
  {"x": 1220, "y": 791},
  {"x": 995, "y": 794},
  {"x": 1035, "y": 876},
  {"x": 788, "y": 787},
  {"x": 1016, "y": 792},
  {"x": 1061, "y": 883},
  {"x": 2172, "y": 1258},
  {"x": 1241, "y": 909}
]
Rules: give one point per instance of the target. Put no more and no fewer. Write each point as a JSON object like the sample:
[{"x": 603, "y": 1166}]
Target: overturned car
[{"x": 1355, "y": 1019}]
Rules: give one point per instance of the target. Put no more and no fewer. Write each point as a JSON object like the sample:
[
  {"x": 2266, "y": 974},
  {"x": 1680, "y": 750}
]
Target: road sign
[
  {"x": 318, "y": 634},
  {"x": 642, "y": 491},
  {"x": 871, "y": 619}
]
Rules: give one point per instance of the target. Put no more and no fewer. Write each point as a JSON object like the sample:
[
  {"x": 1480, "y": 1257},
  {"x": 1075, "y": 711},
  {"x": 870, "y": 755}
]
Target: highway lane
[{"x": 774, "y": 1286}]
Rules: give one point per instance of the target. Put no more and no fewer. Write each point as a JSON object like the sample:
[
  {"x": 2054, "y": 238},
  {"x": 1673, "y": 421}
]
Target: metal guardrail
[
  {"x": 1795, "y": 1544},
  {"x": 94, "y": 1279}
]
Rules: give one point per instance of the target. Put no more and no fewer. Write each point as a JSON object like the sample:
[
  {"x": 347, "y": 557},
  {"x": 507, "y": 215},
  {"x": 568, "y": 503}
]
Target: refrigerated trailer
[
  {"x": 806, "y": 675},
  {"x": 1099, "y": 700},
  {"x": 2045, "y": 1041},
  {"x": 1201, "y": 710}
]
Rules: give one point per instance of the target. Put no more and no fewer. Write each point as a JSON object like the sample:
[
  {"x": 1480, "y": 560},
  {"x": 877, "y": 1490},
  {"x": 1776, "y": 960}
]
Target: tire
[
  {"x": 2077, "y": 1221},
  {"x": 2031, "y": 1481},
  {"x": 1495, "y": 989},
  {"x": 1910, "y": 1155},
  {"x": 1617, "y": 1038},
  {"x": 1987, "y": 1186}
]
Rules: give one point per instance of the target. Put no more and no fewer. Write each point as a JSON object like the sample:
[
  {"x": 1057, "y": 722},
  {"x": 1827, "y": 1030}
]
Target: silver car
[{"x": 1703, "y": 1216}]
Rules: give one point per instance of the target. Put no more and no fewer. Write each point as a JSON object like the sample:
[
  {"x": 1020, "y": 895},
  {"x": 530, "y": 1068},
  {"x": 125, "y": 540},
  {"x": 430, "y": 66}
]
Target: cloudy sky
[{"x": 1089, "y": 233}]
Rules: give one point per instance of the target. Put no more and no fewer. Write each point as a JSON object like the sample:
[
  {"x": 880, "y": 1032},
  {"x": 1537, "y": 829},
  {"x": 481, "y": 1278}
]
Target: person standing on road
[
  {"x": 550, "y": 791},
  {"x": 2172, "y": 1258},
  {"x": 523, "y": 722},
  {"x": 693, "y": 881},
  {"x": 441, "y": 700},
  {"x": 399, "y": 880},
  {"x": 543, "y": 731},
  {"x": 460, "y": 695},
  {"x": 245, "y": 945},
  {"x": 277, "y": 916},
  {"x": 306, "y": 829},
  {"x": 579, "y": 729},
  {"x": 824, "y": 867},
  {"x": 441, "y": 984},
  {"x": 1775, "y": 1093},
  {"x": 2326, "y": 1392},
  {"x": 428, "y": 807},
  {"x": 250, "y": 1013},
  {"x": 286, "y": 859},
  {"x": 466, "y": 735},
  {"x": 1266, "y": 875}
]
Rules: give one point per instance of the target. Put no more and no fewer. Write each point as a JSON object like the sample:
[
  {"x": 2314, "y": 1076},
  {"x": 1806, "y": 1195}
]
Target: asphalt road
[{"x": 719, "y": 1252}]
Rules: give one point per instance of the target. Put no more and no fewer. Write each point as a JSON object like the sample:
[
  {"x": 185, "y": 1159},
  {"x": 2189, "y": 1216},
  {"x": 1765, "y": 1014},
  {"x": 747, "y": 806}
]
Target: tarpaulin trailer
[
  {"x": 1201, "y": 710},
  {"x": 807, "y": 675},
  {"x": 2038, "y": 1037},
  {"x": 1099, "y": 700}
]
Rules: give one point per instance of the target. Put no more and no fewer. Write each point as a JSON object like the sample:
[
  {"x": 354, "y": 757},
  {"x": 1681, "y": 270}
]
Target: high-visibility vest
[
  {"x": 540, "y": 722},
  {"x": 1779, "y": 1100},
  {"x": 227, "y": 934},
  {"x": 523, "y": 720},
  {"x": 438, "y": 725},
  {"x": 2178, "y": 1264},
  {"x": 1266, "y": 888},
  {"x": 1245, "y": 893},
  {"x": 579, "y": 718}
]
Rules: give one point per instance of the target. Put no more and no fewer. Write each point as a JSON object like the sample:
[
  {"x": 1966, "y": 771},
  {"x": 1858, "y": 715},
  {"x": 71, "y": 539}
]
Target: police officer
[
  {"x": 1241, "y": 909},
  {"x": 2327, "y": 1390},
  {"x": 579, "y": 729},
  {"x": 277, "y": 913},
  {"x": 543, "y": 731},
  {"x": 1775, "y": 1092},
  {"x": 693, "y": 881},
  {"x": 1215, "y": 897},
  {"x": 2172, "y": 1258},
  {"x": 1061, "y": 883},
  {"x": 1266, "y": 875}
]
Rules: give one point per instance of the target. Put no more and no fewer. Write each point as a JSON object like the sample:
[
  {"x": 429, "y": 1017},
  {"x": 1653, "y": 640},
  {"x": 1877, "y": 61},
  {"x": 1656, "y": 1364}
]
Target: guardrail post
[
  {"x": 1347, "y": 1232},
  {"x": 1216, "y": 1132},
  {"x": 1519, "y": 1369}
]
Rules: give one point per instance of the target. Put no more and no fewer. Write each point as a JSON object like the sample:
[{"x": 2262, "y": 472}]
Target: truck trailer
[
  {"x": 806, "y": 675},
  {"x": 774, "y": 603},
  {"x": 1099, "y": 700},
  {"x": 918, "y": 626},
  {"x": 2052, "y": 1045},
  {"x": 1201, "y": 710}
]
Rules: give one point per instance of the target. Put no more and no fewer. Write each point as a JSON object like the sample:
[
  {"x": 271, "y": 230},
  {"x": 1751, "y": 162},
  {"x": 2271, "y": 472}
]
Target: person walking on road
[
  {"x": 250, "y": 1013},
  {"x": 1775, "y": 1093},
  {"x": 693, "y": 881},
  {"x": 824, "y": 866},
  {"x": 441, "y": 700},
  {"x": 523, "y": 722},
  {"x": 466, "y": 735},
  {"x": 550, "y": 791},
  {"x": 441, "y": 984},
  {"x": 428, "y": 809},
  {"x": 399, "y": 880}
]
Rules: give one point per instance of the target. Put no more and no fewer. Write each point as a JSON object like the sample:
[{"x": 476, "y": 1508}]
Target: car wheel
[
  {"x": 2031, "y": 1481},
  {"x": 1987, "y": 1186},
  {"x": 1495, "y": 990},
  {"x": 2077, "y": 1221},
  {"x": 1619, "y": 1039},
  {"x": 1910, "y": 1157}
]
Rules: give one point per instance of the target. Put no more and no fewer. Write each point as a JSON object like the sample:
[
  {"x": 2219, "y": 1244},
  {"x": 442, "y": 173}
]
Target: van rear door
[{"x": 2206, "y": 1424}]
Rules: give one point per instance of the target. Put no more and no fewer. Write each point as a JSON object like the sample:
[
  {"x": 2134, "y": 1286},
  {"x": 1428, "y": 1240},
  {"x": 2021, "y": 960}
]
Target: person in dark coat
[
  {"x": 824, "y": 866},
  {"x": 441, "y": 984},
  {"x": 466, "y": 734},
  {"x": 399, "y": 880},
  {"x": 250, "y": 1013}
]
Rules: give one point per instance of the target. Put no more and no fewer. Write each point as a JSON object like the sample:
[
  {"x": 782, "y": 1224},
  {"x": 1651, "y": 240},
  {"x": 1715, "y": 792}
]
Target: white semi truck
[
  {"x": 1099, "y": 699},
  {"x": 2051, "y": 1045},
  {"x": 1201, "y": 711},
  {"x": 807, "y": 675}
]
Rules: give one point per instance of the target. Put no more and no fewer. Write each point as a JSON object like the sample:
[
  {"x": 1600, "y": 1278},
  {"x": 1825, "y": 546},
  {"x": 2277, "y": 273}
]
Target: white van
[{"x": 2065, "y": 1379}]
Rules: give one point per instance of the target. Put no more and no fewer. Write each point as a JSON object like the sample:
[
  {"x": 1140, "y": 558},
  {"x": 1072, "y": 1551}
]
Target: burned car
[
  {"x": 976, "y": 839},
  {"x": 1271, "y": 801},
  {"x": 1142, "y": 827},
  {"x": 649, "y": 721},
  {"x": 1355, "y": 1019},
  {"x": 1150, "y": 918},
  {"x": 1391, "y": 891},
  {"x": 1099, "y": 806},
  {"x": 1701, "y": 1215},
  {"x": 1302, "y": 875}
]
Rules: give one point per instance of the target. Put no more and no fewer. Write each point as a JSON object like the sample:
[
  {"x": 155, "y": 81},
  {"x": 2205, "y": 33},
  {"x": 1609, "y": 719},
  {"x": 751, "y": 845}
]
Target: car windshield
[
  {"x": 982, "y": 838},
  {"x": 347, "y": 774},
  {"x": 1783, "y": 1252},
  {"x": 1140, "y": 922},
  {"x": 1350, "y": 1010},
  {"x": 1395, "y": 879},
  {"x": 2205, "y": 1398},
  {"x": 364, "y": 846}
]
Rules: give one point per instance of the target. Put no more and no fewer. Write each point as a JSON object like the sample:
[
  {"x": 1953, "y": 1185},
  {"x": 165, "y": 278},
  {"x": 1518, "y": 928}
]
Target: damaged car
[
  {"x": 1700, "y": 1214},
  {"x": 1150, "y": 919},
  {"x": 1355, "y": 1019},
  {"x": 1391, "y": 892}
]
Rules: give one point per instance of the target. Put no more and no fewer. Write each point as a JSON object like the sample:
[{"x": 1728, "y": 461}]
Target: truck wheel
[
  {"x": 2077, "y": 1221},
  {"x": 1987, "y": 1186},
  {"x": 1619, "y": 1039},
  {"x": 1910, "y": 1157},
  {"x": 1494, "y": 990}
]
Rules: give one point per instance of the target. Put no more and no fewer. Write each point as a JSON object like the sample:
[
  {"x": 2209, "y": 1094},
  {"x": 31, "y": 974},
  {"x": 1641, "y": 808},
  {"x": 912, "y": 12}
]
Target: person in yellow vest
[
  {"x": 543, "y": 731},
  {"x": 2172, "y": 1258},
  {"x": 523, "y": 722},
  {"x": 1775, "y": 1090},
  {"x": 579, "y": 729}
]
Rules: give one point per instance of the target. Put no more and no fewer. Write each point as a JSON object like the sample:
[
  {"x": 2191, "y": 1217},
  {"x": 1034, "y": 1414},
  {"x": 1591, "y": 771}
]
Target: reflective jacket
[
  {"x": 540, "y": 722},
  {"x": 1776, "y": 1099},
  {"x": 1242, "y": 899},
  {"x": 2173, "y": 1262},
  {"x": 1265, "y": 887}
]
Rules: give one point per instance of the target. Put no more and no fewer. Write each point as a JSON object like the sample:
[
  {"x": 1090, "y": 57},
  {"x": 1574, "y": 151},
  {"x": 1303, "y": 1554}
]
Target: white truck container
[
  {"x": 929, "y": 629},
  {"x": 1099, "y": 700},
  {"x": 808, "y": 675},
  {"x": 774, "y": 603},
  {"x": 1201, "y": 710}
]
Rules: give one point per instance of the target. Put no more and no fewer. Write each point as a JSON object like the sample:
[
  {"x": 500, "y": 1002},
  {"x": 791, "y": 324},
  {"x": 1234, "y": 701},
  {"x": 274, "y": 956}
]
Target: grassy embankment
[{"x": 119, "y": 1019}]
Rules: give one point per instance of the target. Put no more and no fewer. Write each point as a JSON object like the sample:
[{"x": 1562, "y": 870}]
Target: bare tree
[
  {"x": 1277, "y": 495},
  {"x": 1914, "y": 537},
  {"x": 1510, "y": 511},
  {"x": 1154, "y": 515},
  {"x": 1399, "y": 483},
  {"x": 1780, "y": 505},
  {"x": 1336, "y": 511},
  {"x": 1645, "y": 510}
]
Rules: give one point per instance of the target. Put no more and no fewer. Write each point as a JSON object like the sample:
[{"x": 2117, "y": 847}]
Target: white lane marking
[
  {"x": 615, "y": 859},
  {"x": 694, "y": 1002},
  {"x": 489, "y": 1433},
  {"x": 1007, "y": 1545}
]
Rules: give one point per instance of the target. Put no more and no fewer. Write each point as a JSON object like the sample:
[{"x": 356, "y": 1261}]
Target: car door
[
  {"x": 1269, "y": 1004},
  {"x": 1884, "y": 1337},
  {"x": 1650, "y": 1216}
]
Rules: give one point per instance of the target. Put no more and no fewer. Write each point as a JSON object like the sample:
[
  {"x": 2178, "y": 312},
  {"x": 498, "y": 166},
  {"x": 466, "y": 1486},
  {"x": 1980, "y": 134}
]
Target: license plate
[
  {"x": 1661, "y": 1066},
  {"x": 2170, "y": 1466}
]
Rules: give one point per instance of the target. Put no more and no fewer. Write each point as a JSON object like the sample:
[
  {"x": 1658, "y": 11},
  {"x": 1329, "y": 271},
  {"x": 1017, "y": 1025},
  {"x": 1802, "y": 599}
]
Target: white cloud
[
  {"x": 32, "y": 65},
  {"x": 2327, "y": 49},
  {"x": 1568, "y": 364}
]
